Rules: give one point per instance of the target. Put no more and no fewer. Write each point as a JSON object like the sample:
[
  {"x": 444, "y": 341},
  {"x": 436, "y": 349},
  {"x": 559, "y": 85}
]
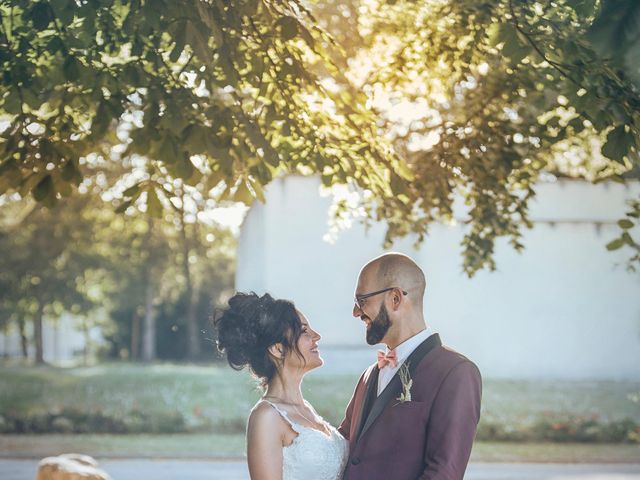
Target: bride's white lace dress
[{"x": 313, "y": 454}]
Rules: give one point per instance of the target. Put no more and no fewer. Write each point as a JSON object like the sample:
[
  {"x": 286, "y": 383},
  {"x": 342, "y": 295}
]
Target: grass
[
  {"x": 216, "y": 396},
  {"x": 554, "y": 453},
  {"x": 197, "y": 445},
  {"x": 223, "y": 397},
  {"x": 211, "y": 446},
  {"x": 216, "y": 400},
  {"x": 517, "y": 401}
]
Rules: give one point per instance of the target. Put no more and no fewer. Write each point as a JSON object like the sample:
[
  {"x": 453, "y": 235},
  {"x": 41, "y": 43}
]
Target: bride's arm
[{"x": 265, "y": 435}]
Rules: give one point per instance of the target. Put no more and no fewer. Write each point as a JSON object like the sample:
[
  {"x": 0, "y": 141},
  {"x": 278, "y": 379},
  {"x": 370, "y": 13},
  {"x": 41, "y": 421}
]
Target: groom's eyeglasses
[{"x": 360, "y": 300}]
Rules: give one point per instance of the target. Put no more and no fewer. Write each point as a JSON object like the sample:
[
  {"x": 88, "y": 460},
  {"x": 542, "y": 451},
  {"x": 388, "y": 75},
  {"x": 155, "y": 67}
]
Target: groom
[{"x": 414, "y": 413}]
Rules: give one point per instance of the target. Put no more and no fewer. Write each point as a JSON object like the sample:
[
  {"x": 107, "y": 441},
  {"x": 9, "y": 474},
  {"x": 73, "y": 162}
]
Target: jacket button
[{"x": 355, "y": 461}]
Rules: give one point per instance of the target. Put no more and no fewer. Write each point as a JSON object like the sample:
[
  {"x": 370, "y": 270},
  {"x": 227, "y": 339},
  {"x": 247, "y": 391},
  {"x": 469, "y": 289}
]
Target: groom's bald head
[
  {"x": 397, "y": 270},
  {"x": 389, "y": 297}
]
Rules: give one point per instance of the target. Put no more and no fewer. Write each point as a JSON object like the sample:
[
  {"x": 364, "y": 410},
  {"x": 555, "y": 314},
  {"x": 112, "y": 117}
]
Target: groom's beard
[{"x": 379, "y": 327}]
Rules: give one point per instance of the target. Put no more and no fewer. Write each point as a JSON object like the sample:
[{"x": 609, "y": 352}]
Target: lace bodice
[{"x": 313, "y": 454}]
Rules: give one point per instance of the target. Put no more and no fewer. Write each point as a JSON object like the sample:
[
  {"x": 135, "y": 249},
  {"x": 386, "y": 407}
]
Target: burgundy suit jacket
[{"x": 428, "y": 438}]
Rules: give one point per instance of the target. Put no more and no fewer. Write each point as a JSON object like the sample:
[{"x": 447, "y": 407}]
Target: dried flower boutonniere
[{"x": 405, "y": 378}]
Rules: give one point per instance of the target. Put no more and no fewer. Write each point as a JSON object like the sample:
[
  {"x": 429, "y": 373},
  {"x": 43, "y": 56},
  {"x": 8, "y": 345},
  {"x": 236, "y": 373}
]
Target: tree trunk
[
  {"x": 87, "y": 342},
  {"x": 149, "y": 331},
  {"x": 6, "y": 344},
  {"x": 149, "y": 321},
  {"x": 24, "y": 341},
  {"x": 56, "y": 341},
  {"x": 193, "y": 340},
  {"x": 37, "y": 334},
  {"x": 135, "y": 337}
]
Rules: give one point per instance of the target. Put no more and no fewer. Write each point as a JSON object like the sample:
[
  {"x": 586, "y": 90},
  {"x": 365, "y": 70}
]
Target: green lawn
[
  {"x": 223, "y": 397},
  {"x": 215, "y": 401},
  {"x": 211, "y": 446}
]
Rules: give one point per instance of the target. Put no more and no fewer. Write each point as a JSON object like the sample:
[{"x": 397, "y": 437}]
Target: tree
[
  {"x": 170, "y": 271},
  {"x": 227, "y": 96},
  {"x": 480, "y": 98},
  {"x": 45, "y": 262},
  {"x": 191, "y": 78},
  {"x": 137, "y": 258}
]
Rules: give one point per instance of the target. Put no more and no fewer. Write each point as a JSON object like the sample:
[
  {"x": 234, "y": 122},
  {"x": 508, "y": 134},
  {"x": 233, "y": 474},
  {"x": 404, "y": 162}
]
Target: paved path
[{"x": 233, "y": 470}]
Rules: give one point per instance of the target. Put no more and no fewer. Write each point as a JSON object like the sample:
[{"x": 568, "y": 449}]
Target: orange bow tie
[{"x": 385, "y": 359}]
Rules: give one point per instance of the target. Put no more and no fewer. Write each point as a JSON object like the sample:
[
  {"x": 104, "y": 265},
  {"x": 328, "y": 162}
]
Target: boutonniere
[{"x": 405, "y": 378}]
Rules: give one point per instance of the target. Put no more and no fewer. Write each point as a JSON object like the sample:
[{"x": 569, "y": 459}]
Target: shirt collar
[{"x": 410, "y": 344}]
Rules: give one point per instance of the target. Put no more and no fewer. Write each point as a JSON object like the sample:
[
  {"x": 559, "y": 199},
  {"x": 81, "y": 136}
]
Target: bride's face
[{"x": 308, "y": 348}]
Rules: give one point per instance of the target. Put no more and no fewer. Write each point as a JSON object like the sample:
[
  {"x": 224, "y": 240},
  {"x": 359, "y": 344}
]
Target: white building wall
[{"x": 564, "y": 308}]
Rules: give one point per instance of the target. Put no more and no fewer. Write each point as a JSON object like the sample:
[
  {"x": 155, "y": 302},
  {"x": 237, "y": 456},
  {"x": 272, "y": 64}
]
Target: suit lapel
[
  {"x": 394, "y": 387},
  {"x": 369, "y": 397}
]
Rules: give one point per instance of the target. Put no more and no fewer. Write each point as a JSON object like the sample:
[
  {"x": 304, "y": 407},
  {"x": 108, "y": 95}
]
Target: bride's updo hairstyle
[{"x": 250, "y": 325}]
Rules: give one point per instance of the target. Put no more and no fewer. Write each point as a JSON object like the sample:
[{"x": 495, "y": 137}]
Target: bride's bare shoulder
[{"x": 264, "y": 416}]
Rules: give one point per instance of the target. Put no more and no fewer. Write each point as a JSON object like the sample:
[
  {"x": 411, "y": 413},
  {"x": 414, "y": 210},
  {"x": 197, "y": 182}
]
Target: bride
[{"x": 286, "y": 438}]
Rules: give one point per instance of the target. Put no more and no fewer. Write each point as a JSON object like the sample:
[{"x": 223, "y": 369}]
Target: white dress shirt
[{"x": 403, "y": 351}]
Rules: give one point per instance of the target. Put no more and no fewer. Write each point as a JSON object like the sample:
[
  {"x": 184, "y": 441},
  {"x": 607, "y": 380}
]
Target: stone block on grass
[{"x": 70, "y": 466}]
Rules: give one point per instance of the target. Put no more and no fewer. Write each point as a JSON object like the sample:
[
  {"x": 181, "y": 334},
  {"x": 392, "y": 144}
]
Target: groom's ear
[
  {"x": 277, "y": 351},
  {"x": 396, "y": 299}
]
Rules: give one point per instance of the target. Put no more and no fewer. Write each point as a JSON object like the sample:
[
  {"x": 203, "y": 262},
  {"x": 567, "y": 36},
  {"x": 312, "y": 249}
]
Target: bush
[
  {"x": 71, "y": 420},
  {"x": 549, "y": 427},
  {"x": 563, "y": 429}
]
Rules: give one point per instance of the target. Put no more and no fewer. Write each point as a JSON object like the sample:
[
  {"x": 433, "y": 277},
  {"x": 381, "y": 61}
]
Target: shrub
[
  {"x": 562, "y": 429},
  {"x": 549, "y": 427}
]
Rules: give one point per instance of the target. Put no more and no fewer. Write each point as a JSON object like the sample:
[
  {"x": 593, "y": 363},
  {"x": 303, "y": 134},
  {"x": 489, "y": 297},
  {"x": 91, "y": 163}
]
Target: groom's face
[{"x": 372, "y": 311}]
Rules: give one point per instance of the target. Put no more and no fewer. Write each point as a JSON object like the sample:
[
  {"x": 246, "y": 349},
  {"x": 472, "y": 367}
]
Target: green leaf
[
  {"x": 307, "y": 37},
  {"x": 225, "y": 58},
  {"x": 131, "y": 74},
  {"x": 500, "y": 33},
  {"x": 288, "y": 27},
  {"x": 262, "y": 173},
  {"x": 44, "y": 190},
  {"x": 625, "y": 224},
  {"x": 618, "y": 144},
  {"x": 64, "y": 10},
  {"x": 184, "y": 168},
  {"x": 169, "y": 151},
  {"x": 243, "y": 194},
  {"x": 180, "y": 39},
  {"x": 397, "y": 184},
  {"x": 584, "y": 8},
  {"x": 41, "y": 15},
  {"x": 221, "y": 156},
  {"x": 194, "y": 139},
  {"x": 31, "y": 98},
  {"x": 71, "y": 173},
  {"x": 71, "y": 68},
  {"x": 10, "y": 174},
  {"x": 12, "y": 103},
  {"x": 515, "y": 49},
  {"x": 615, "y": 244},
  {"x": 213, "y": 179},
  {"x": 123, "y": 206},
  {"x": 404, "y": 171},
  {"x": 101, "y": 120},
  {"x": 257, "y": 190},
  {"x": 137, "y": 48},
  {"x": 198, "y": 41},
  {"x": 131, "y": 191},
  {"x": 63, "y": 188},
  {"x": 153, "y": 203}
]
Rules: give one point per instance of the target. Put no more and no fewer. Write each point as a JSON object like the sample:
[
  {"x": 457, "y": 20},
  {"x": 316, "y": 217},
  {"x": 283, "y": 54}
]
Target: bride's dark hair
[{"x": 250, "y": 325}]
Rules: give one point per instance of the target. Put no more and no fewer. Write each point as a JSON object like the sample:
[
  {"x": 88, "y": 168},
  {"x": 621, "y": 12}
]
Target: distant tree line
[{"x": 150, "y": 284}]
